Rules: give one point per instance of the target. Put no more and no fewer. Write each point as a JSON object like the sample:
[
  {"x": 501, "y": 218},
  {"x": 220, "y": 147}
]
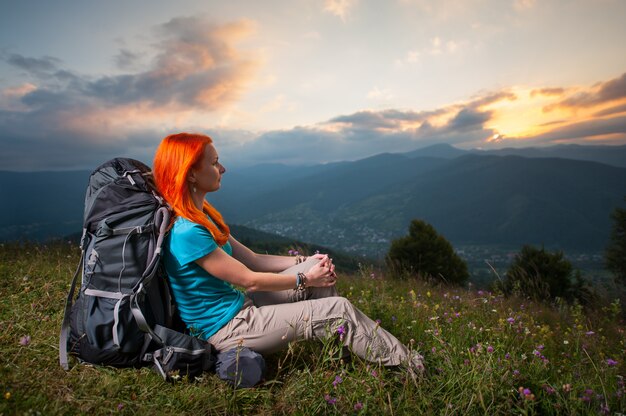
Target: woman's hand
[{"x": 323, "y": 273}]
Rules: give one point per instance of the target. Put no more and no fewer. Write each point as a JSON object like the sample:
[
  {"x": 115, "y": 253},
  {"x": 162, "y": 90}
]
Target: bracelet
[
  {"x": 300, "y": 281},
  {"x": 300, "y": 259}
]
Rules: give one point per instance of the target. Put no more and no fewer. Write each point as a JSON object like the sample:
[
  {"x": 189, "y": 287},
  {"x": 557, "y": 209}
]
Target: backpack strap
[
  {"x": 162, "y": 218},
  {"x": 65, "y": 327}
]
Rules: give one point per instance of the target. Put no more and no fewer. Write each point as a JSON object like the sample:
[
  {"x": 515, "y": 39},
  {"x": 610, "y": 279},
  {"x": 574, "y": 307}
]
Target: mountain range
[{"x": 561, "y": 197}]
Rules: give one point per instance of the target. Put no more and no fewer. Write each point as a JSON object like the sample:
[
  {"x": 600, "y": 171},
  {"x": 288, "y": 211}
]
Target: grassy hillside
[{"x": 486, "y": 355}]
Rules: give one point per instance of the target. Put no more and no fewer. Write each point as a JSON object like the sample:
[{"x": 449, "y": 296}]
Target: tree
[
  {"x": 615, "y": 254},
  {"x": 427, "y": 254},
  {"x": 542, "y": 275}
]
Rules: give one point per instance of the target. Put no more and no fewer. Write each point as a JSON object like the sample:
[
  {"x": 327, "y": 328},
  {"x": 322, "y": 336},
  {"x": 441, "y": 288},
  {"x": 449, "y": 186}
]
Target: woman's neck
[{"x": 198, "y": 199}]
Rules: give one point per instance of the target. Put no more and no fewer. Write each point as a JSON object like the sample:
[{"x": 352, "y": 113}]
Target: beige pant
[{"x": 268, "y": 321}]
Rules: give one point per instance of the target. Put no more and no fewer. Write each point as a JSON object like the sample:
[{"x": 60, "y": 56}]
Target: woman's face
[{"x": 207, "y": 172}]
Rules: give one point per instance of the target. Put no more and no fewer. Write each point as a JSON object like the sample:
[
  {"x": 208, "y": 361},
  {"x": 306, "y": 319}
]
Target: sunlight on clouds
[
  {"x": 380, "y": 94},
  {"x": 521, "y": 5},
  {"x": 522, "y": 117},
  {"x": 10, "y": 97},
  {"x": 339, "y": 8}
]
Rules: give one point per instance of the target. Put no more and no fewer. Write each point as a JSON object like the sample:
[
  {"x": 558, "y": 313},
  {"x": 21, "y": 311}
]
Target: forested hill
[
  {"x": 359, "y": 206},
  {"x": 471, "y": 199}
]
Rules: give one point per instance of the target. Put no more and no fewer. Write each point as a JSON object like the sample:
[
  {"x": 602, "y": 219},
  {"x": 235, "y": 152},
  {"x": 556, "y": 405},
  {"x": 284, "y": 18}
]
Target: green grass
[{"x": 480, "y": 349}]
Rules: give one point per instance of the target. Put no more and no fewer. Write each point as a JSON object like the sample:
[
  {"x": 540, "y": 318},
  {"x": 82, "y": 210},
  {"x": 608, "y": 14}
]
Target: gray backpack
[{"x": 124, "y": 315}]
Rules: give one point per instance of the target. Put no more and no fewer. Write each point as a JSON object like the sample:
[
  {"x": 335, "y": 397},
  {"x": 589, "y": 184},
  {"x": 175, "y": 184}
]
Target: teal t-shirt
[{"x": 205, "y": 303}]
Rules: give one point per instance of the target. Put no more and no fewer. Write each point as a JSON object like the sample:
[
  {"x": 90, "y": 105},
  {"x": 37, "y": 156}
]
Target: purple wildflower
[
  {"x": 433, "y": 350},
  {"x": 549, "y": 389},
  {"x": 611, "y": 362},
  {"x": 540, "y": 347},
  {"x": 507, "y": 356},
  {"x": 358, "y": 406},
  {"x": 330, "y": 400},
  {"x": 516, "y": 373},
  {"x": 374, "y": 374},
  {"x": 337, "y": 381},
  {"x": 25, "y": 340},
  {"x": 120, "y": 406},
  {"x": 589, "y": 333},
  {"x": 511, "y": 321},
  {"x": 490, "y": 349}
]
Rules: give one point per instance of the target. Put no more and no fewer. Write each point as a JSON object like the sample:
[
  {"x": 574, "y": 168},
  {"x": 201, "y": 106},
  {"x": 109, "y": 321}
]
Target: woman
[{"x": 282, "y": 302}]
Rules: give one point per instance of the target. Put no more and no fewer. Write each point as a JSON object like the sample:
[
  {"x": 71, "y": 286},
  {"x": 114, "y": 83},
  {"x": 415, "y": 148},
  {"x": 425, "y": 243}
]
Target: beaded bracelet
[
  {"x": 300, "y": 259},
  {"x": 300, "y": 281}
]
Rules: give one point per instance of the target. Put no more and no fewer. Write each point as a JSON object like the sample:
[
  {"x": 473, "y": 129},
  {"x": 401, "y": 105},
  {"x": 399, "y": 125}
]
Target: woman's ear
[{"x": 191, "y": 176}]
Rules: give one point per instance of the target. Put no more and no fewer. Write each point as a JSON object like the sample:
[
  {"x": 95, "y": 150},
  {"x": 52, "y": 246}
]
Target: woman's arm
[
  {"x": 219, "y": 264},
  {"x": 260, "y": 262}
]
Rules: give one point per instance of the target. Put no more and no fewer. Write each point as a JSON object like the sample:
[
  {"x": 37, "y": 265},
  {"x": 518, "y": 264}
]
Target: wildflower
[
  {"x": 589, "y": 333},
  {"x": 25, "y": 340},
  {"x": 511, "y": 321},
  {"x": 490, "y": 349},
  {"x": 536, "y": 353},
  {"x": 7, "y": 395},
  {"x": 341, "y": 330},
  {"x": 358, "y": 406},
  {"x": 507, "y": 356},
  {"x": 290, "y": 252},
  {"x": 540, "y": 347},
  {"x": 374, "y": 374},
  {"x": 433, "y": 350},
  {"x": 565, "y": 342},
  {"x": 428, "y": 293},
  {"x": 549, "y": 390},
  {"x": 373, "y": 275},
  {"x": 567, "y": 388},
  {"x": 466, "y": 362},
  {"x": 526, "y": 394},
  {"x": 337, "y": 381},
  {"x": 120, "y": 406},
  {"x": 330, "y": 400},
  {"x": 610, "y": 362},
  {"x": 516, "y": 373}
]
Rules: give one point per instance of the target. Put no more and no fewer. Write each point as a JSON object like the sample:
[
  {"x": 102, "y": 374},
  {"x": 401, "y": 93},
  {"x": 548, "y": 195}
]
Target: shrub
[
  {"x": 615, "y": 254},
  {"x": 426, "y": 253},
  {"x": 542, "y": 275}
]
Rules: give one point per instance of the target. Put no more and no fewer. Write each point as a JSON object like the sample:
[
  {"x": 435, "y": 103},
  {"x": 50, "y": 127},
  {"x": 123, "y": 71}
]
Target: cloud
[
  {"x": 126, "y": 59},
  {"x": 196, "y": 69},
  {"x": 588, "y": 130},
  {"x": 547, "y": 92},
  {"x": 601, "y": 93},
  {"x": 611, "y": 110},
  {"x": 521, "y": 5},
  {"x": 339, "y": 8},
  {"x": 35, "y": 66}
]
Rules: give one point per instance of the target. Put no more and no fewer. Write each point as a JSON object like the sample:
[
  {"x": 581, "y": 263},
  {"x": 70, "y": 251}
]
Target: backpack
[{"x": 124, "y": 315}]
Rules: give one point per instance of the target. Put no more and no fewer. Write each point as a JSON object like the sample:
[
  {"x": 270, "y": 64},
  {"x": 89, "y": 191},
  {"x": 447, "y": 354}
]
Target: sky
[{"x": 305, "y": 81}]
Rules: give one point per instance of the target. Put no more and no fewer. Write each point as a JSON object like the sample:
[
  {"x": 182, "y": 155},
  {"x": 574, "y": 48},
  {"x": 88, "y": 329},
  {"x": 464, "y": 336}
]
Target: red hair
[{"x": 173, "y": 159}]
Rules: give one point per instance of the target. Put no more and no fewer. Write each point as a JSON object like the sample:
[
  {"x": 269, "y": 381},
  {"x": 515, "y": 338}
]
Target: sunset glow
[{"x": 267, "y": 79}]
